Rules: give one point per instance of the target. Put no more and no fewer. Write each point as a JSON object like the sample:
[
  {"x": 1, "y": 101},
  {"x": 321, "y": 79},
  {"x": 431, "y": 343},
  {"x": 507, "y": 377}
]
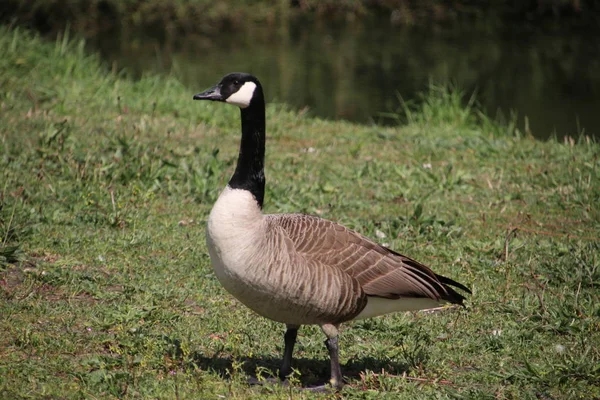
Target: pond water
[{"x": 356, "y": 71}]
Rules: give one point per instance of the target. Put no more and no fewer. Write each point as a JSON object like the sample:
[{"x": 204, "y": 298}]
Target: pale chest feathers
[
  {"x": 235, "y": 231},
  {"x": 249, "y": 259},
  {"x": 240, "y": 250}
]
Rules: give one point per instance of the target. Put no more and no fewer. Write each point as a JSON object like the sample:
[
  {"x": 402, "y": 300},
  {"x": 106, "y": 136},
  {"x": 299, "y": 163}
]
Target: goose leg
[
  {"x": 290, "y": 340},
  {"x": 331, "y": 331}
]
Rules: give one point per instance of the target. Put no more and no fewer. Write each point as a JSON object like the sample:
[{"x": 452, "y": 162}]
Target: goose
[{"x": 299, "y": 269}]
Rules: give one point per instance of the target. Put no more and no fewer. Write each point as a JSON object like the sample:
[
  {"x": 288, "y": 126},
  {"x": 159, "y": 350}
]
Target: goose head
[{"x": 238, "y": 88}]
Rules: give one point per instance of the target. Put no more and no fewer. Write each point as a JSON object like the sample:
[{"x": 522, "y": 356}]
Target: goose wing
[{"x": 380, "y": 271}]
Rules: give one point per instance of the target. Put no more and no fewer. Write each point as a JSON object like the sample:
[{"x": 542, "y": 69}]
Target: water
[{"x": 356, "y": 71}]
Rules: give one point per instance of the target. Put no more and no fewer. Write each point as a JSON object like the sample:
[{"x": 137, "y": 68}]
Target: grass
[{"x": 106, "y": 287}]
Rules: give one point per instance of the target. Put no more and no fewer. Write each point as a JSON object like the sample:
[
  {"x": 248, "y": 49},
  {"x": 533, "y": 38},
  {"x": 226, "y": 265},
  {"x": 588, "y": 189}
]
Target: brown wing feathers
[
  {"x": 380, "y": 271},
  {"x": 442, "y": 283}
]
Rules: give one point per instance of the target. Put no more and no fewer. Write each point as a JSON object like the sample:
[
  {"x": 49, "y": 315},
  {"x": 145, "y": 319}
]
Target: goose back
[{"x": 381, "y": 272}]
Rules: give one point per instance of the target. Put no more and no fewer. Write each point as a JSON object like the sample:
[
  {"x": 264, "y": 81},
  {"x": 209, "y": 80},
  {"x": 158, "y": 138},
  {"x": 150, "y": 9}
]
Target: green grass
[{"x": 106, "y": 289}]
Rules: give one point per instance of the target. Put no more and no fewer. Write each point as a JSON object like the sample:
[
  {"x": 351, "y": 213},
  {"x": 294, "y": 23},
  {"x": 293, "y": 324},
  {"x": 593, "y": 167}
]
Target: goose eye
[{"x": 236, "y": 82}]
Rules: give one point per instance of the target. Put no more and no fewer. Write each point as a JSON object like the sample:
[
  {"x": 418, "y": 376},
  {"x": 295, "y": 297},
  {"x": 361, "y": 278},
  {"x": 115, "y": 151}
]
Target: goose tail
[{"x": 452, "y": 295}]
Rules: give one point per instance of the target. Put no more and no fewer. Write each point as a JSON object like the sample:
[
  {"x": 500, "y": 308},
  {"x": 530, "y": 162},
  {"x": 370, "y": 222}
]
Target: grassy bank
[{"x": 105, "y": 284}]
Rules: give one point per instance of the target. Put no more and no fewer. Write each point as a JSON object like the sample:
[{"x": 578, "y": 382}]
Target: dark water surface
[{"x": 355, "y": 71}]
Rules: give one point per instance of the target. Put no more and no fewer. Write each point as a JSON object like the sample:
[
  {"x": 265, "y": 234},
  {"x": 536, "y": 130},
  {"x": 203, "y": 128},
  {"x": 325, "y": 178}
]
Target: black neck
[{"x": 249, "y": 173}]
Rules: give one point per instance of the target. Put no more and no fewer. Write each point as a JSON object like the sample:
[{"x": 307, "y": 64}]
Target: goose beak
[{"x": 214, "y": 94}]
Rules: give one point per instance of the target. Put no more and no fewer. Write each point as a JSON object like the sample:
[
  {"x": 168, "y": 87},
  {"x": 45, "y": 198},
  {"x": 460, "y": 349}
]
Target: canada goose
[{"x": 300, "y": 269}]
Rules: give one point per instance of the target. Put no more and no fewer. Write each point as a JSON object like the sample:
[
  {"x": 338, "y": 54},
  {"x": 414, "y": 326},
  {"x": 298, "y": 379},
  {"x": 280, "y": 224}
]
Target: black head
[{"x": 238, "y": 88}]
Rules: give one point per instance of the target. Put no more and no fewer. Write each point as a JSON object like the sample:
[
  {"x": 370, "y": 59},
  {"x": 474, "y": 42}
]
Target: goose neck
[{"x": 249, "y": 172}]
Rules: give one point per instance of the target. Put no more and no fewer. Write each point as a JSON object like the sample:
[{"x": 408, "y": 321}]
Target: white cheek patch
[{"x": 242, "y": 97}]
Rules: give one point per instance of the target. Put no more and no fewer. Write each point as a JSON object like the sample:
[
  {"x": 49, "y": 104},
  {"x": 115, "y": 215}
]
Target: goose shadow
[{"x": 313, "y": 372}]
